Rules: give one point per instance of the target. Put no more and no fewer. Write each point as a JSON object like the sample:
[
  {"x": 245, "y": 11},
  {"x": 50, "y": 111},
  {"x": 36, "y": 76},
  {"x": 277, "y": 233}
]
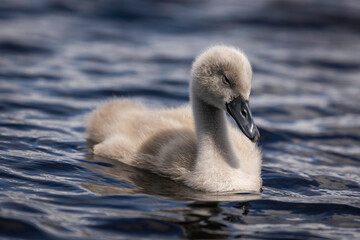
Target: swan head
[{"x": 221, "y": 77}]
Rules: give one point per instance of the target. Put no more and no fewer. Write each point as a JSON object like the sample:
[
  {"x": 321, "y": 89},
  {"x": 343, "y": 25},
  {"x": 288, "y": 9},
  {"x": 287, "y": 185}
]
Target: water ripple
[{"x": 61, "y": 59}]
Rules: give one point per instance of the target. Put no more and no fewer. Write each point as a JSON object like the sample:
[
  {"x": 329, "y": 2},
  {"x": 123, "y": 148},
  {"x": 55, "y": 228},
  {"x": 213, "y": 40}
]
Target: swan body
[{"x": 193, "y": 143}]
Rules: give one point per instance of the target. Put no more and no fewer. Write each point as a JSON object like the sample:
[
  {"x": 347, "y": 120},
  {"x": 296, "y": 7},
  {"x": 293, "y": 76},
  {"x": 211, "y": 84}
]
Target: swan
[{"x": 194, "y": 143}]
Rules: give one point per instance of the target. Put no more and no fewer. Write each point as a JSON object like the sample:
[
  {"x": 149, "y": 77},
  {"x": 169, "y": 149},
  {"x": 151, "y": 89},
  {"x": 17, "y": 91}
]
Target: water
[{"x": 60, "y": 59}]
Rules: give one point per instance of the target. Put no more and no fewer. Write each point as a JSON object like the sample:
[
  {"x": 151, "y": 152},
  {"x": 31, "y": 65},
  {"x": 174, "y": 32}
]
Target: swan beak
[{"x": 239, "y": 110}]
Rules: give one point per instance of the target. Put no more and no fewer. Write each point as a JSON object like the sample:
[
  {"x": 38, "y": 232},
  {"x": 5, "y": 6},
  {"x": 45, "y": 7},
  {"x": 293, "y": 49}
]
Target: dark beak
[{"x": 239, "y": 109}]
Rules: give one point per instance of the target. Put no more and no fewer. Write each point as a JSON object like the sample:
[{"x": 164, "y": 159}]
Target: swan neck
[{"x": 212, "y": 132}]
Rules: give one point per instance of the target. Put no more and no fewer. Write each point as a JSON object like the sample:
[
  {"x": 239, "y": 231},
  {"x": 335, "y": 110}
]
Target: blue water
[{"x": 60, "y": 59}]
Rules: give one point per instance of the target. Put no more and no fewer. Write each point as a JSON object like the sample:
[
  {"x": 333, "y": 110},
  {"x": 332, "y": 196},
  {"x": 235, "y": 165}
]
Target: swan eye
[{"x": 226, "y": 81}]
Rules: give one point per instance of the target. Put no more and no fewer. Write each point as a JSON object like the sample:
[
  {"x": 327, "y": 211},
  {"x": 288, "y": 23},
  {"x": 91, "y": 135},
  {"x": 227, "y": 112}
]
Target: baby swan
[{"x": 194, "y": 143}]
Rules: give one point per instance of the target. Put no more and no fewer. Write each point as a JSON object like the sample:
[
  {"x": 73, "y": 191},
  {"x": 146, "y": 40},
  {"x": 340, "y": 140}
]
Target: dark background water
[{"x": 60, "y": 59}]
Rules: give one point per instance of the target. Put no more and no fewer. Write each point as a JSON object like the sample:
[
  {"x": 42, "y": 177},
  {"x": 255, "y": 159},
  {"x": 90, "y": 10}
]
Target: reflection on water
[{"x": 60, "y": 59}]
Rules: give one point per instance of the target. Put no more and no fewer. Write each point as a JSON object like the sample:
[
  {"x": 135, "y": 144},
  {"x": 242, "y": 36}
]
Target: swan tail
[{"x": 106, "y": 119}]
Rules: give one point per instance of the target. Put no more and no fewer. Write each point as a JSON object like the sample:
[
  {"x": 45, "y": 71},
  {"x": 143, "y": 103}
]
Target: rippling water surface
[{"x": 60, "y": 59}]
